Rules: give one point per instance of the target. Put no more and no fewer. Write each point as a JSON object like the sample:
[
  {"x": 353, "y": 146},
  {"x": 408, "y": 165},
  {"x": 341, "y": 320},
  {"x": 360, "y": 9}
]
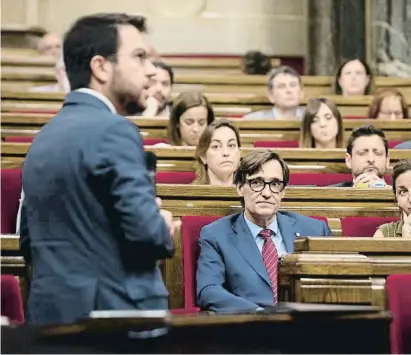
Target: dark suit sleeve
[
  {"x": 211, "y": 293},
  {"x": 119, "y": 166},
  {"x": 24, "y": 234}
]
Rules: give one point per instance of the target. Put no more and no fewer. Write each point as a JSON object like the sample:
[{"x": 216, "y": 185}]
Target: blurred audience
[
  {"x": 388, "y": 105},
  {"x": 367, "y": 157},
  {"x": 255, "y": 63},
  {"x": 354, "y": 77},
  {"x": 62, "y": 84},
  {"x": 50, "y": 45},
  {"x": 218, "y": 154},
  {"x": 285, "y": 93},
  {"x": 190, "y": 114},
  {"x": 158, "y": 102},
  {"x": 322, "y": 125},
  {"x": 401, "y": 185}
]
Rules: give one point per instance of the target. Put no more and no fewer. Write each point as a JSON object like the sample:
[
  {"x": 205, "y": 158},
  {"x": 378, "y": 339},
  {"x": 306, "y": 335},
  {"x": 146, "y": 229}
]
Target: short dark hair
[
  {"x": 256, "y": 63},
  {"x": 368, "y": 71},
  {"x": 366, "y": 131},
  {"x": 93, "y": 35},
  {"x": 253, "y": 162},
  {"x": 284, "y": 69},
  {"x": 400, "y": 168},
  {"x": 167, "y": 68}
]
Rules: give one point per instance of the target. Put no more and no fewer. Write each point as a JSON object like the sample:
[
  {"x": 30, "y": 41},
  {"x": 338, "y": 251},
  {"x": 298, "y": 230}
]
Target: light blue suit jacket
[
  {"x": 231, "y": 275},
  {"x": 272, "y": 114},
  {"x": 403, "y": 145}
]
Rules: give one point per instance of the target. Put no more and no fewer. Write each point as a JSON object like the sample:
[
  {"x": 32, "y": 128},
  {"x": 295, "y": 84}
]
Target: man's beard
[{"x": 128, "y": 103}]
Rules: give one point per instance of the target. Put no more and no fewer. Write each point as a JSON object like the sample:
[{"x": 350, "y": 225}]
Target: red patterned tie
[{"x": 270, "y": 258}]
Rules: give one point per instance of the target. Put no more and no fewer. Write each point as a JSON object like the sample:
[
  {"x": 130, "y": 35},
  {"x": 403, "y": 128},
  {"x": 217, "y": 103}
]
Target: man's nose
[
  {"x": 371, "y": 157},
  {"x": 266, "y": 191},
  {"x": 195, "y": 127},
  {"x": 225, "y": 151},
  {"x": 150, "y": 69}
]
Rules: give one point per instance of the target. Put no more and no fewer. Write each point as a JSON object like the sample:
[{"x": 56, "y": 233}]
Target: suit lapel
[
  {"x": 288, "y": 231},
  {"x": 245, "y": 243}
]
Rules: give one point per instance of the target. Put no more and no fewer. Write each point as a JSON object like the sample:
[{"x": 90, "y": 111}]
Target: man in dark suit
[
  {"x": 237, "y": 265},
  {"x": 94, "y": 230},
  {"x": 367, "y": 157}
]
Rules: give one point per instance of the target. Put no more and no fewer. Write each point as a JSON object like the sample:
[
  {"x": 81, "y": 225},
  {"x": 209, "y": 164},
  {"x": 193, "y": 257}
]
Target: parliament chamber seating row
[
  {"x": 341, "y": 270},
  {"x": 224, "y": 104},
  {"x": 154, "y": 130}
]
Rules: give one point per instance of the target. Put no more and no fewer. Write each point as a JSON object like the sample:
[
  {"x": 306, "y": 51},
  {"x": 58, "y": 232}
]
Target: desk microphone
[{"x": 151, "y": 163}]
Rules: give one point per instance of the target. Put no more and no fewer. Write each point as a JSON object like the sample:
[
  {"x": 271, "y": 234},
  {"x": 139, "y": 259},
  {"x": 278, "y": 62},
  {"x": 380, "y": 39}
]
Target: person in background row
[
  {"x": 354, "y": 77},
  {"x": 401, "y": 185},
  {"x": 50, "y": 45},
  {"x": 190, "y": 114},
  {"x": 62, "y": 84},
  {"x": 285, "y": 92},
  {"x": 218, "y": 154},
  {"x": 255, "y": 63},
  {"x": 322, "y": 125},
  {"x": 238, "y": 259},
  {"x": 388, "y": 105},
  {"x": 367, "y": 157},
  {"x": 158, "y": 101}
]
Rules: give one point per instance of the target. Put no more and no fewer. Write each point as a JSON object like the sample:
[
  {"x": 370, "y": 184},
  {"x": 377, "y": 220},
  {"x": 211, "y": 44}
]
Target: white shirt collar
[{"x": 99, "y": 96}]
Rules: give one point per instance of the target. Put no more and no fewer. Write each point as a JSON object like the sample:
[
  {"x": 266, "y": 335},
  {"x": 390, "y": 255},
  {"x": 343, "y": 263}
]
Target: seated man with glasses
[{"x": 237, "y": 265}]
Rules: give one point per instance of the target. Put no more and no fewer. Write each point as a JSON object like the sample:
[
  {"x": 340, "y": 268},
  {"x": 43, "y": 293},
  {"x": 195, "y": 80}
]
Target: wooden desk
[
  {"x": 343, "y": 270},
  {"x": 182, "y": 158},
  {"x": 365, "y": 331},
  {"x": 251, "y": 130}
]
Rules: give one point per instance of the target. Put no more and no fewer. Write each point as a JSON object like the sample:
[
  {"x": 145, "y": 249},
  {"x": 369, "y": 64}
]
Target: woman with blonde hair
[
  {"x": 190, "y": 114},
  {"x": 322, "y": 125},
  {"x": 401, "y": 185},
  {"x": 388, "y": 105},
  {"x": 218, "y": 154}
]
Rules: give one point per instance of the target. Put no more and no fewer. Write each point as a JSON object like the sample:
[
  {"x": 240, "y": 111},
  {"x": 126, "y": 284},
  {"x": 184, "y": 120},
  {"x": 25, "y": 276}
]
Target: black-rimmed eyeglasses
[{"x": 258, "y": 185}]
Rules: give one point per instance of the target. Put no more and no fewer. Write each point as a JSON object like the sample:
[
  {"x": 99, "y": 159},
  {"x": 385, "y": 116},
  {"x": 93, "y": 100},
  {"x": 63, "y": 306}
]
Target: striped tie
[{"x": 270, "y": 258}]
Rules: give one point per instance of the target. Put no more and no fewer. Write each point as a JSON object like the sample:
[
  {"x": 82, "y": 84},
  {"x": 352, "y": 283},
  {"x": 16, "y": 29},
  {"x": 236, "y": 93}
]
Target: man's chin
[{"x": 133, "y": 108}]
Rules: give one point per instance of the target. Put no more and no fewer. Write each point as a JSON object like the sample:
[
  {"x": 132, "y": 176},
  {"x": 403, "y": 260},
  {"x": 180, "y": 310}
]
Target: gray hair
[{"x": 284, "y": 69}]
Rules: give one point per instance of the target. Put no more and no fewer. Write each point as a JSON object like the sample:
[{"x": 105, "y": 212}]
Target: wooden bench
[
  {"x": 20, "y": 36},
  {"x": 197, "y": 78},
  {"x": 223, "y": 103},
  {"x": 182, "y": 158},
  {"x": 251, "y": 130},
  {"x": 322, "y": 270}
]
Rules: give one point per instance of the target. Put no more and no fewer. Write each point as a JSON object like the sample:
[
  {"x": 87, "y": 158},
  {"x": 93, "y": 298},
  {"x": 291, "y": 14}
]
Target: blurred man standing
[{"x": 94, "y": 229}]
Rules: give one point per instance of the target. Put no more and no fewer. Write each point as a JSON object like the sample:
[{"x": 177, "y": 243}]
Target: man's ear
[
  {"x": 101, "y": 69},
  {"x": 240, "y": 190},
  {"x": 367, "y": 80},
  {"x": 348, "y": 160},
  {"x": 270, "y": 95},
  {"x": 388, "y": 161}
]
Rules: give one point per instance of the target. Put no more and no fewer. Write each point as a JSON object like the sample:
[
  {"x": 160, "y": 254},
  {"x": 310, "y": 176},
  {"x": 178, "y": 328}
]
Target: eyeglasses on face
[{"x": 258, "y": 185}]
